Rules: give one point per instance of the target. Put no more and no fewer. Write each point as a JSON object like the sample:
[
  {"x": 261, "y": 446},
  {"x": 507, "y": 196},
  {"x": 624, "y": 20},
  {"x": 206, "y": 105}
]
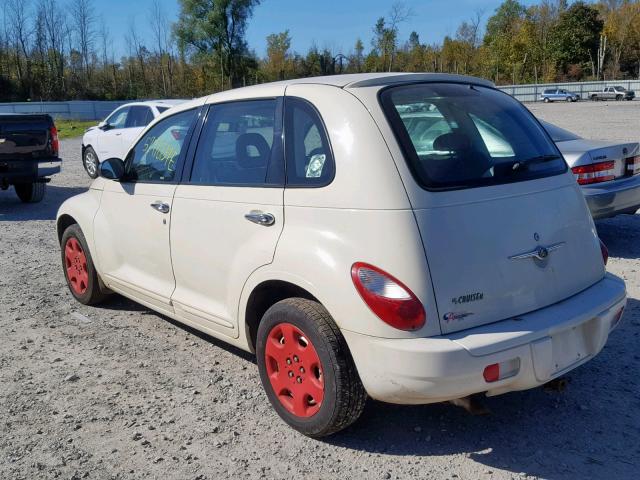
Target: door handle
[
  {"x": 261, "y": 218},
  {"x": 161, "y": 207}
]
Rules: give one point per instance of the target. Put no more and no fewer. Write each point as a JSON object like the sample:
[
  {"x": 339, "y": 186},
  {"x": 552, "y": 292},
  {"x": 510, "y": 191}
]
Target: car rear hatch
[{"x": 504, "y": 227}]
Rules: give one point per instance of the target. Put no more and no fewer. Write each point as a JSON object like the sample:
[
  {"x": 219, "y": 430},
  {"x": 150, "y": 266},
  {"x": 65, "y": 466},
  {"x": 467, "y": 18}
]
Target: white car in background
[{"x": 113, "y": 136}]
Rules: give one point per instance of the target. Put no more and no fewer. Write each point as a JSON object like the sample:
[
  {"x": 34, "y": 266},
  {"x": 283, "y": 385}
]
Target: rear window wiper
[{"x": 524, "y": 164}]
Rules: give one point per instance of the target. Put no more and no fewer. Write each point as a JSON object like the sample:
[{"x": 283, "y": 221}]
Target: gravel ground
[{"x": 122, "y": 392}]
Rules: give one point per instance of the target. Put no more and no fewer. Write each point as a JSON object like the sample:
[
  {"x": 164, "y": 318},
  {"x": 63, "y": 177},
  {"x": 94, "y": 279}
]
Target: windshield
[{"x": 459, "y": 136}]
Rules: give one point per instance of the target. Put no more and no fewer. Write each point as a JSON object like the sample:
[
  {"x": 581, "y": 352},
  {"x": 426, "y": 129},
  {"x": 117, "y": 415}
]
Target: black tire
[
  {"x": 90, "y": 162},
  {"x": 568, "y": 99},
  {"x": 344, "y": 396},
  {"x": 619, "y": 98},
  {"x": 94, "y": 292},
  {"x": 31, "y": 192},
  {"x": 546, "y": 100},
  {"x": 594, "y": 98}
]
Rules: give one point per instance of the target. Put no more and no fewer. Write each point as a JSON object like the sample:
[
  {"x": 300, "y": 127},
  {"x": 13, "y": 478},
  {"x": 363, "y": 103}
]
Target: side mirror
[
  {"x": 104, "y": 126},
  {"x": 112, "y": 169}
]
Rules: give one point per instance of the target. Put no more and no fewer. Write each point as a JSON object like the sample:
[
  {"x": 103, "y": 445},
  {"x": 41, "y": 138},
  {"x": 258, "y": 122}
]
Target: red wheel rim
[
  {"x": 294, "y": 370},
  {"x": 76, "y": 264}
]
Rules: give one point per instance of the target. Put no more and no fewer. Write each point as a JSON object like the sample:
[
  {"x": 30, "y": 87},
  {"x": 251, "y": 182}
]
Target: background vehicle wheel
[
  {"x": 306, "y": 368},
  {"x": 568, "y": 99},
  {"x": 79, "y": 271},
  {"x": 546, "y": 100},
  {"x": 618, "y": 98},
  {"x": 31, "y": 192},
  {"x": 90, "y": 162}
]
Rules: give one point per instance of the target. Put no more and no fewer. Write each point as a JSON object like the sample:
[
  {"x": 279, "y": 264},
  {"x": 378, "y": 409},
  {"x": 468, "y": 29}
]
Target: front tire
[
  {"x": 306, "y": 368},
  {"x": 79, "y": 271},
  {"x": 31, "y": 192},
  {"x": 546, "y": 100},
  {"x": 90, "y": 162}
]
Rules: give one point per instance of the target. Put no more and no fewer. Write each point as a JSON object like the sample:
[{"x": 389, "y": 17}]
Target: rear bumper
[
  {"x": 29, "y": 170},
  {"x": 547, "y": 343},
  {"x": 612, "y": 198}
]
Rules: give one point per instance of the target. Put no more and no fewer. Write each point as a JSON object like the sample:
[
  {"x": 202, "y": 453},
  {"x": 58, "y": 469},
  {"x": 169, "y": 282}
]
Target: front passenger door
[{"x": 133, "y": 221}]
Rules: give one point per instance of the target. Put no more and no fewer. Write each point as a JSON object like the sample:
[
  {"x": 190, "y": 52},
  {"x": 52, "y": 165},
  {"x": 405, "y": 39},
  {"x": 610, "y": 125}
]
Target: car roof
[{"x": 154, "y": 103}]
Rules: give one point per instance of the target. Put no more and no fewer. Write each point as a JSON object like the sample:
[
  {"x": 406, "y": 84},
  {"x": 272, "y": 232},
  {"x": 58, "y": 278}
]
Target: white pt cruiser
[{"x": 415, "y": 238}]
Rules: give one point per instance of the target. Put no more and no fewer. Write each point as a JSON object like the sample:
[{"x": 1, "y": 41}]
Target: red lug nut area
[
  {"x": 76, "y": 264},
  {"x": 294, "y": 370}
]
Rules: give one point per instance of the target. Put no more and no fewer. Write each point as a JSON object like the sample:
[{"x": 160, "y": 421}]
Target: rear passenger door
[{"x": 228, "y": 217}]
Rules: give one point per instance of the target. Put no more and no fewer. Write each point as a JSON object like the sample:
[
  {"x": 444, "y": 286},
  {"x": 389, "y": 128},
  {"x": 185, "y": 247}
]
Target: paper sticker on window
[{"x": 314, "y": 169}]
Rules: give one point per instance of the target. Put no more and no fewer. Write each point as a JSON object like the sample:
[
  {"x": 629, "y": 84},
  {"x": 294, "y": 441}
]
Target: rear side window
[
  {"x": 139, "y": 116},
  {"x": 309, "y": 159},
  {"x": 459, "y": 136},
  {"x": 238, "y": 144},
  {"x": 162, "y": 109}
]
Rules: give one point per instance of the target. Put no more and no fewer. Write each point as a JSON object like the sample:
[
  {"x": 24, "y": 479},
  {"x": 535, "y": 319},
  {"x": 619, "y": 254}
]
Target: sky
[{"x": 326, "y": 23}]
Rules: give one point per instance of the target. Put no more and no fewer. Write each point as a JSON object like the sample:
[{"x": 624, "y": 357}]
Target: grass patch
[{"x": 72, "y": 128}]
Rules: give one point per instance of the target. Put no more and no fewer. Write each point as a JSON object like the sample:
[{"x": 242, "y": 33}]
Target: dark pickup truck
[{"x": 28, "y": 154}]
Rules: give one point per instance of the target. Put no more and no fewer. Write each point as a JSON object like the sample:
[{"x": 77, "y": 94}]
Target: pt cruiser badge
[{"x": 539, "y": 253}]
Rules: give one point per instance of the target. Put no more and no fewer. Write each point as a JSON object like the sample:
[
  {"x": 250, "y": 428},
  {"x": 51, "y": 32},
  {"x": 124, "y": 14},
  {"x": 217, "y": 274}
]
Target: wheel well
[
  {"x": 263, "y": 297},
  {"x": 64, "y": 222}
]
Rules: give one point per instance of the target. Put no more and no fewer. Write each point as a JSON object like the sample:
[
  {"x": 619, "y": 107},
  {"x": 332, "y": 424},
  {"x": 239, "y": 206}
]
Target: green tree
[
  {"x": 278, "y": 64},
  {"x": 576, "y": 37},
  {"x": 216, "y": 28}
]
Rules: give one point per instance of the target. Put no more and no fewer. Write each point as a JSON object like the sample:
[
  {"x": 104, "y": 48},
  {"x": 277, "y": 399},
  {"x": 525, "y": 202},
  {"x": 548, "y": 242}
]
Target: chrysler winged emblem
[{"x": 539, "y": 253}]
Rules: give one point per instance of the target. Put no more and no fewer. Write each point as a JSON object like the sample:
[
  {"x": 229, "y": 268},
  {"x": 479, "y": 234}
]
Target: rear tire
[
  {"x": 619, "y": 98},
  {"x": 306, "y": 368},
  {"x": 90, "y": 162},
  {"x": 31, "y": 192},
  {"x": 546, "y": 100},
  {"x": 79, "y": 271}
]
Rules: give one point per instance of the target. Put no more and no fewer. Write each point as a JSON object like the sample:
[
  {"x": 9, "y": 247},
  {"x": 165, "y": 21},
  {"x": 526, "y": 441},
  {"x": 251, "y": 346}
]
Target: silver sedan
[{"x": 607, "y": 171}]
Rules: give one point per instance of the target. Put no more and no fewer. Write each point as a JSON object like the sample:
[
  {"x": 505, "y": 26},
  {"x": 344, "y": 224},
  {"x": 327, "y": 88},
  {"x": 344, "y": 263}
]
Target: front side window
[
  {"x": 156, "y": 156},
  {"x": 463, "y": 136},
  {"x": 309, "y": 158},
  {"x": 118, "y": 119},
  {"x": 238, "y": 144},
  {"x": 139, "y": 116}
]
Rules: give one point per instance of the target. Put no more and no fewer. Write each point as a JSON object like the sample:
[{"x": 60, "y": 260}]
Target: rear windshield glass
[
  {"x": 558, "y": 134},
  {"x": 459, "y": 136}
]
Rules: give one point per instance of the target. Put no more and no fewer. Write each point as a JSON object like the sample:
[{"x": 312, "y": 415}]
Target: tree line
[{"x": 62, "y": 50}]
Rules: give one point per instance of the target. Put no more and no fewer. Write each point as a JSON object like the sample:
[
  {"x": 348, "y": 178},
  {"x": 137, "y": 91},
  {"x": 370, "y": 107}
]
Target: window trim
[
  {"x": 181, "y": 158},
  {"x": 325, "y": 137},
  {"x": 278, "y": 139},
  {"x": 409, "y": 154}
]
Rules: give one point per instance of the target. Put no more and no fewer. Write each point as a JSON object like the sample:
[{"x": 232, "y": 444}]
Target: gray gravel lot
[{"x": 122, "y": 392}]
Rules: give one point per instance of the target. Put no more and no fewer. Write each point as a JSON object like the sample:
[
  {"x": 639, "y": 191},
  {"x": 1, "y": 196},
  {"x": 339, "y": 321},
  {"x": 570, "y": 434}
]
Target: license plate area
[{"x": 569, "y": 347}]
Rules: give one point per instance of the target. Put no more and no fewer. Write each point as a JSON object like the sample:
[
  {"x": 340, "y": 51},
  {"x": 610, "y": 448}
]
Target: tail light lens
[
  {"x": 500, "y": 371},
  {"x": 55, "y": 144},
  {"x": 596, "y": 173},
  {"x": 605, "y": 252},
  {"x": 388, "y": 298},
  {"x": 633, "y": 165}
]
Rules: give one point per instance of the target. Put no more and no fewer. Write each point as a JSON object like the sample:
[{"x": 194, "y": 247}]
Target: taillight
[
  {"x": 388, "y": 298},
  {"x": 632, "y": 165},
  {"x": 55, "y": 144},
  {"x": 596, "y": 173},
  {"x": 500, "y": 371},
  {"x": 605, "y": 252}
]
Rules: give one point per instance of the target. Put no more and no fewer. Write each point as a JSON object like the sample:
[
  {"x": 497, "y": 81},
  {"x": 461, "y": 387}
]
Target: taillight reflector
[
  {"x": 500, "y": 371},
  {"x": 388, "y": 298},
  {"x": 633, "y": 165},
  {"x": 596, "y": 173},
  {"x": 55, "y": 143}
]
